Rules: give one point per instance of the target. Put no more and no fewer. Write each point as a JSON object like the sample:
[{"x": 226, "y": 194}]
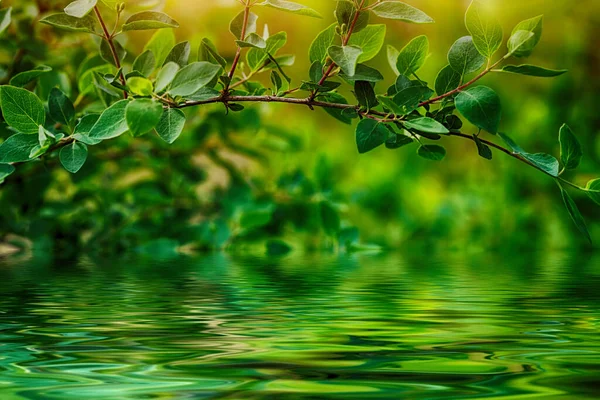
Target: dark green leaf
[
  {"x": 24, "y": 78},
  {"x": 481, "y": 106},
  {"x": 570, "y": 148},
  {"x": 22, "y": 109},
  {"x": 370, "y": 134},
  {"x": 143, "y": 115},
  {"x": 464, "y": 57},
  {"x": 427, "y": 125},
  {"x": 447, "y": 80},
  {"x": 575, "y": 214},
  {"x": 60, "y": 107},
  {"x": 180, "y": 54},
  {"x": 482, "y": 148},
  {"x": 17, "y": 148},
  {"x": 532, "y": 70},
  {"x": 432, "y": 152},
  {"x": 73, "y": 156}
]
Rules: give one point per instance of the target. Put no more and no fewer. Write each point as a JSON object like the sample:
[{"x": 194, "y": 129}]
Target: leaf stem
[
  {"x": 238, "y": 52},
  {"x": 109, "y": 39}
]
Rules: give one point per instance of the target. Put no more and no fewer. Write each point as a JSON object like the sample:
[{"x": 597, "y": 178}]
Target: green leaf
[
  {"x": 401, "y": 11},
  {"x": 413, "y": 56},
  {"x": 544, "y": 162},
  {"x": 5, "y": 171},
  {"x": 575, "y": 213},
  {"x": 193, "y": 77},
  {"x": 112, "y": 122},
  {"x": 146, "y": 20},
  {"x": 24, "y": 78},
  {"x": 346, "y": 57},
  {"x": 257, "y": 57},
  {"x": 143, "y": 115},
  {"x": 17, "y": 148},
  {"x": 482, "y": 148},
  {"x": 481, "y": 106},
  {"x": 5, "y": 18},
  {"x": 292, "y": 7},
  {"x": 22, "y": 109},
  {"x": 398, "y": 141},
  {"x": 447, "y": 80},
  {"x": 165, "y": 76},
  {"x": 464, "y": 57},
  {"x": 237, "y": 25},
  {"x": 484, "y": 28},
  {"x": 593, "y": 190},
  {"x": 336, "y": 98},
  {"x": 392, "y": 57},
  {"x": 426, "y": 124},
  {"x": 208, "y": 52},
  {"x": 277, "y": 248},
  {"x": 171, "y": 125},
  {"x": 145, "y": 63},
  {"x": 534, "y": 25},
  {"x": 107, "y": 54},
  {"x": 140, "y": 86},
  {"x": 408, "y": 99},
  {"x": 83, "y": 129},
  {"x": 532, "y": 70},
  {"x": 161, "y": 44},
  {"x": 364, "y": 73},
  {"x": 80, "y": 8},
  {"x": 518, "y": 40},
  {"x": 180, "y": 54},
  {"x": 73, "y": 156},
  {"x": 432, "y": 152},
  {"x": 256, "y": 218},
  {"x": 60, "y": 107},
  {"x": 370, "y": 134},
  {"x": 252, "y": 40},
  {"x": 365, "y": 94},
  {"x": 369, "y": 40},
  {"x": 345, "y": 12},
  {"x": 570, "y": 148},
  {"x": 319, "y": 46},
  {"x": 67, "y": 22},
  {"x": 330, "y": 218}
]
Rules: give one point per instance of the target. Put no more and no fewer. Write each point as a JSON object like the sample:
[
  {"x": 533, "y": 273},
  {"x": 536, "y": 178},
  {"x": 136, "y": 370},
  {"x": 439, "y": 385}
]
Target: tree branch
[{"x": 109, "y": 39}]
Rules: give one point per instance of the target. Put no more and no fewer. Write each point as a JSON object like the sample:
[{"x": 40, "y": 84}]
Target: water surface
[{"x": 319, "y": 327}]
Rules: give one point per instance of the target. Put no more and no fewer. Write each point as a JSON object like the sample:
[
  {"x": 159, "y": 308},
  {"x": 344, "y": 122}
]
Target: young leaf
[
  {"x": 593, "y": 190},
  {"x": 112, "y": 122},
  {"x": 145, "y": 63},
  {"x": 60, "y": 107},
  {"x": 427, "y": 125},
  {"x": 447, "y": 80},
  {"x": 292, "y": 7},
  {"x": 370, "y": 134},
  {"x": 464, "y": 57},
  {"x": 22, "y": 109},
  {"x": 193, "y": 77},
  {"x": 180, "y": 54},
  {"x": 171, "y": 125},
  {"x": 257, "y": 57},
  {"x": 140, "y": 86},
  {"x": 143, "y": 115},
  {"x": 5, "y": 18},
  {"x": 518, "y": 40},
  {"x": 432, "y": 152},
  {"x": 165, "y": 76},
  {"x": 346, "y": 57},
  {"x": 412, "y": 56},
  {"x": 73, "y": 156},
  {"x": 392, "y": 57},
  {"x": 147, "y": 20},
  {"x": 575, "y": 213},
  {"x": 481, "y": 106},
  {"x": 482, "y": 148},
  {"x": 318, "y": 48},
  {"x": 80, "y": 8},
  {"x": 533, "y": 25},
  {"x": 370, "y": 40},
  {"x": 484, "y": 28},
  {"x": 570, "y": 148},
  {"x": 67, "y": 22},
  {"x": 532, "y": 70},
  {"x": 237, "y": 24},
  {"x": 17, "y": 148},
  {"x": 401, "y": 11}
]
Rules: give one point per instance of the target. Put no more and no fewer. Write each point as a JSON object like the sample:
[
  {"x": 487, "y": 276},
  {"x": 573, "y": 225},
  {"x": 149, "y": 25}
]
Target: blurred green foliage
[{"x": 281, "y": 177}]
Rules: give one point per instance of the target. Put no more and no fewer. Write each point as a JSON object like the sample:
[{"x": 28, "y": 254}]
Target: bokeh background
[{"x": 299, "y": 170}]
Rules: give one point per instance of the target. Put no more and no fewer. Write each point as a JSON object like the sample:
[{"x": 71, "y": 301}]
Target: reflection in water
[{"x": 354, "y": 327}]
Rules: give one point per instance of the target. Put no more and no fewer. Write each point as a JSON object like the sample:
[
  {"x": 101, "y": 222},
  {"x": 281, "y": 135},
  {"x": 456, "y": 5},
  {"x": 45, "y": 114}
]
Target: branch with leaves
[{"x": 149, "y": 93}]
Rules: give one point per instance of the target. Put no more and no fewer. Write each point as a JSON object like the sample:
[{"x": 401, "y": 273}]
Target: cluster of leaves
[{"x": 149, "y": 93}]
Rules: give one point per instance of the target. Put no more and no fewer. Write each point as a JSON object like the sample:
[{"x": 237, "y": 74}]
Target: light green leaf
[
  {"x": 364, "y": 73},
  {"x": 370, "y": 134},
  {"x": 143, "y": 115},
  {"x": 570, "y": 148},
  {"x": 481, "y": 106},
  {"x": 484, "y": 28},
  {"x": 180, "y": 54},
  {"x": 83, "y": 129},
  {"x": 593, "y": 190},
  {"x": 161, "y": 44},
  {"x": 318, "y": 48},
  {"x": 413, "y": 56},
  {"x": 464, "y": 57},
  {"x": 401, "y": 11},
  {"x": 392, "y": 57},
  {"x": 534, "y": 25},
  {"x": 575, "y": 213},
  {"x": 67, "y": 22},
  {"x": 60, "y": 107},
  {"x": 112, "y": 122},
  {"x": 426, "y": 124},
  {"x": 447, "y": 80},
  {"x": 237, "y": 25},
  {"x": 165, "y": 76},
  {"x": 370, "y": 40},
  {"x": 257, "y": 57},
  {"x": 432, "y": 152},
  {"x": 24, "y": 78},
  {"x": 140, "y": 86},
  {"x": 252, "y": 40},
  {"x": 208, "y": 52},
  {"x": 532, "y": 70},
  {"x": 80, "y": 8},
  {"x": 193, "y": 77},
  {"x": 292, "y": 7},
  {"x": 22, "y": 109},
  {"x": 73, "y": 156},
  {"x": 518, "y": 40},
  {"x": 146, "y": 20},
  {"x": 346, "y": 57},
  {"x": 5, "y": 18},
  {"x": 145, "y": 63},
  {"x": 171, "y": 125}
]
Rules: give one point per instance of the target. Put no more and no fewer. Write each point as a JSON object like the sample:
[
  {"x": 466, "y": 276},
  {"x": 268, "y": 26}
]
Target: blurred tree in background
[{"x": 284, "y": 177}]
